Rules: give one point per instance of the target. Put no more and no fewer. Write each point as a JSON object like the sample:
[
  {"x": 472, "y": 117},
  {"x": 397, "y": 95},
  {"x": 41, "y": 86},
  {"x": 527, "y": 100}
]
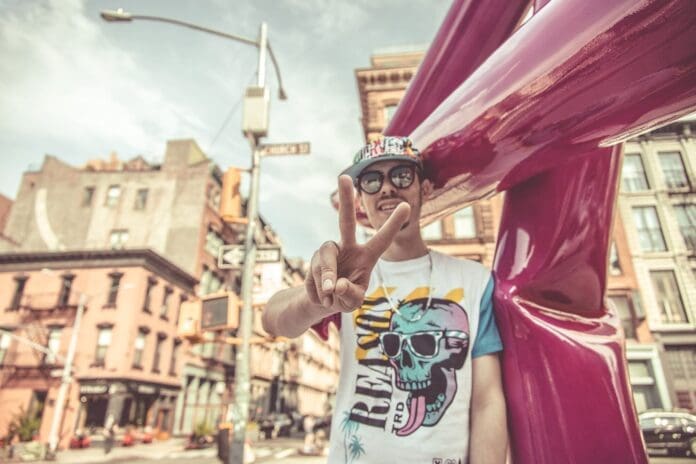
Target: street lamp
[
  {"x": 120, "y": 15},
  {"x": 254, "y": 127}
]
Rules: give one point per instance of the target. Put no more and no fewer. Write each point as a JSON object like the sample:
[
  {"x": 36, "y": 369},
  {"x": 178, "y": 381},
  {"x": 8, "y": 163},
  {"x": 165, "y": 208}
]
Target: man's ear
[{"x": 426, "y": 188}]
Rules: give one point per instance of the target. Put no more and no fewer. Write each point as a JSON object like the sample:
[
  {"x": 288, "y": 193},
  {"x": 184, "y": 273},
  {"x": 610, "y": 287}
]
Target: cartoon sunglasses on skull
[{"x": 426, "y": 346}]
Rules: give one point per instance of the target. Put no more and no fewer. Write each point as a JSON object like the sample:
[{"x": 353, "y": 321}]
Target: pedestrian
[
  {"x": 109, "y": 433},
  {"x": 421, "y": 377}
]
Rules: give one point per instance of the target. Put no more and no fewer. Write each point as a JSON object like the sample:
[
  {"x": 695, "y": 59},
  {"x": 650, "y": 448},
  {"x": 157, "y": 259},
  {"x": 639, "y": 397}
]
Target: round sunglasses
[
  {"x": 401, "y": 176},
  {"x": 425, "y": 344}
]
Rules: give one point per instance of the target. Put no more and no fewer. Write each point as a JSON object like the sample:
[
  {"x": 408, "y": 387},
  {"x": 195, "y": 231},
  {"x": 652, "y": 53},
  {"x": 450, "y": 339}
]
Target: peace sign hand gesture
[{"x": 340, "y": 272}]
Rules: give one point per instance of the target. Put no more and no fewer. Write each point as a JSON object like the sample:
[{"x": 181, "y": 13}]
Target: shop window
[
  {"x": 52, "y": 344},
  {"x": 103, "y": 342},
  {"x": 668, "y": 297},
  {"x": 113, "y": 195},
  {"x": 465, "y": 223},
  {"x": 141, "y": 199},
  {"x": 633, "y": 177},
  {"x": 114, "y": 283},
  {"x": 20, "y": 283},
  {"x": 649, "y": 229},
  {"x": 65, "y": 288},
  {"x": 686, "y": 218},
  {"x": 673, "y": 170},
  {"x": 87, "y": 196}
]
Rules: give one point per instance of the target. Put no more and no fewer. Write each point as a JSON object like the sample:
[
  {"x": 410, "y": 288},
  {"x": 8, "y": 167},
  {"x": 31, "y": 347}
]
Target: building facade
[
  {"x": 658, "y": 206},
  {"x": 128, "y": 361},
  {"x": 168, "y": 210},
  {"x": 472, "y": 233}
]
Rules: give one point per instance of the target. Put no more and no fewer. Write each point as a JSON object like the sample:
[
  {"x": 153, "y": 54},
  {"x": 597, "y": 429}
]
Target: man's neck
[{"x": 407, "y": 247}]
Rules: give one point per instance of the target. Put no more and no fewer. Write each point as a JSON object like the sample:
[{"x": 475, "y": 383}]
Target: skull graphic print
[{"x": 426, "y": 346}]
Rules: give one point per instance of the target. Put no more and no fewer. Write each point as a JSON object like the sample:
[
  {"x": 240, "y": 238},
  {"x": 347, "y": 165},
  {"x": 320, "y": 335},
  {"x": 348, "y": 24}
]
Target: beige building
[
  {"x": 472, "y": 231},
  {"x": 658, "y": 207}
]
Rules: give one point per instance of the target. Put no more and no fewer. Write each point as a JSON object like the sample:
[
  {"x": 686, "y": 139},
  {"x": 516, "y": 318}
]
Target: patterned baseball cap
[{"x": 385, "y": 148}]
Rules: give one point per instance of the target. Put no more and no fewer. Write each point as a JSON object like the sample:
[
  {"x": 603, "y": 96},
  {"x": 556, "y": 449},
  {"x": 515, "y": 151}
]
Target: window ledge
[
  {"x": 673, "y": 327},
  {"x": 137, "y": 368},
  {"x": 109, "y": 306}
]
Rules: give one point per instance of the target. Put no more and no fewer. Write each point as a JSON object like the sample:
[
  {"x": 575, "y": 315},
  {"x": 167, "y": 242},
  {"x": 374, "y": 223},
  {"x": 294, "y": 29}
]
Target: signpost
[
  {"x": 276, "y": 149},
  {"x": 232, "y": 256}
]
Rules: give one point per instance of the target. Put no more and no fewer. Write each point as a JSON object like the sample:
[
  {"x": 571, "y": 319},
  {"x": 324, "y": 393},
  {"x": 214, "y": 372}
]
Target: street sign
[
  {"x": 275, "y": 149},
  {"x": 232, "y": 256}
]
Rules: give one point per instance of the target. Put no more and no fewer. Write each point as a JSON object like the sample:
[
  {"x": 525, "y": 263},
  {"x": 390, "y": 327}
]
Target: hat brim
[{"x": 356, "y": 169}]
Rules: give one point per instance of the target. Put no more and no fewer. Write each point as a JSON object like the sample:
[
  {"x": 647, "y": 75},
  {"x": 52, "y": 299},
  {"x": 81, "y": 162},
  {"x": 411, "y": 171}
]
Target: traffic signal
[
  {"x": 230, "y": 198},
  {"x": 190, "y": 321},
  {"x": 220, "y": 311}
]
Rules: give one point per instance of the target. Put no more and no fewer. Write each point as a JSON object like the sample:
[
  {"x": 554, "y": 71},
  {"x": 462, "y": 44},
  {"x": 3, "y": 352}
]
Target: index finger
[
  {"x": 385, "y": 235},
  {"x": 346, "y": 210}
]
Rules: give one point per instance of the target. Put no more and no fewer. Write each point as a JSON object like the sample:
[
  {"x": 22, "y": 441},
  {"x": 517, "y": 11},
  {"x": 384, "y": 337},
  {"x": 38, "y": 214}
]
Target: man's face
[{"x": 380, "y": 205}]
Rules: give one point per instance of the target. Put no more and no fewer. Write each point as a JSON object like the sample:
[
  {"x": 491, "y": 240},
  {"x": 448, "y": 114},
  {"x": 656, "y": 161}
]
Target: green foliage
[
  {"x": 356, "y": 448},
  {"x": 202, "y": 429},
  {"x": 25, "y": 424}
]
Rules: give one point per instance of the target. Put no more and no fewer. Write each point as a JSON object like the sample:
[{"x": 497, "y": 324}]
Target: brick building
[
  {"x": 168, "y": 213},
  {"x": 472, "y": 231}
]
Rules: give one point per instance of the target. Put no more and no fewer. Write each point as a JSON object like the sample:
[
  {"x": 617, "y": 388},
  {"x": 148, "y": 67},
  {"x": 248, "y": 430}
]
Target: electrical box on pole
[
  {"x": 230, "y": 197},
  {"x": 255, "y": 114}
]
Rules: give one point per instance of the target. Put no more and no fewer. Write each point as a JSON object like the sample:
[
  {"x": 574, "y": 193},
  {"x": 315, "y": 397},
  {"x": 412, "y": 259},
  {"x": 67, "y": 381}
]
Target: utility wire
[{"x": 231, "y": 113}]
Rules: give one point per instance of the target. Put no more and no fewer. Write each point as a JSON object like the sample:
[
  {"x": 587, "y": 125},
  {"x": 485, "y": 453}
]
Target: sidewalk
[{"x": 155, "y": 450}]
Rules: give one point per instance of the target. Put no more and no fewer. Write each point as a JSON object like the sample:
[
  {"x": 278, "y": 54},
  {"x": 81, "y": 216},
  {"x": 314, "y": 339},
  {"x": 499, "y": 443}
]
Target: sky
[{"x": 77, "y": 87}]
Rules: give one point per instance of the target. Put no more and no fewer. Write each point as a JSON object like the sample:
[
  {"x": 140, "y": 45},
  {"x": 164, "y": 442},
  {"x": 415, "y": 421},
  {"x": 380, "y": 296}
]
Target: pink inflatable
[{"x": 539, "y": 111}]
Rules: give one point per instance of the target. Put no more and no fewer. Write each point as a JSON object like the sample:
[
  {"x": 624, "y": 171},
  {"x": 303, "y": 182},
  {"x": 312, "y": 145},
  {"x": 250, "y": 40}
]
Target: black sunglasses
[
  {"x": 424, "y": 344},
  {"x": 401, "y": 176}
]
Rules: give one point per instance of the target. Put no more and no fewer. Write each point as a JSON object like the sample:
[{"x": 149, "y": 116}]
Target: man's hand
[{"x": 340, "y": 272}]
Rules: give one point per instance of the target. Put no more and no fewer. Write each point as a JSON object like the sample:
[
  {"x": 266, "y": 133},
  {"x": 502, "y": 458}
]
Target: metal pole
[
  {"x": 240, "y": 411},
  {"x": 66, "y": 379}
]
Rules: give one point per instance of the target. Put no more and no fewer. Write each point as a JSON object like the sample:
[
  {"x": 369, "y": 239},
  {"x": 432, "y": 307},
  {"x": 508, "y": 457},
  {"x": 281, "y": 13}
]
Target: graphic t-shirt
[{"x": 405, "y": 383}]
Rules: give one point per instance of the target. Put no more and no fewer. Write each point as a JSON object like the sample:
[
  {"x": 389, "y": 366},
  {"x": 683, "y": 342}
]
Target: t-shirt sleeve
[
  {"x": 322, "y": 327},
  {"x": 487, "y": 338}
]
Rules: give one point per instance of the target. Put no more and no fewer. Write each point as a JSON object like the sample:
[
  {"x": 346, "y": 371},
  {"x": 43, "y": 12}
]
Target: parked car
[
  {"x": 275, "y": 425},
  {"x": 669, "y": 433}
]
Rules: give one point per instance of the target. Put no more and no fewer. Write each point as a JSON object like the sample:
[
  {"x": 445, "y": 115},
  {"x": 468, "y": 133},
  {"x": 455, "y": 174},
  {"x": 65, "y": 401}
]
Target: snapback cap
[{"x": 388, "y": 148}]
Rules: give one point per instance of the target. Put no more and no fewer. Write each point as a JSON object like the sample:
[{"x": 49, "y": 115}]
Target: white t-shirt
[{"x": 405, "y": 384}]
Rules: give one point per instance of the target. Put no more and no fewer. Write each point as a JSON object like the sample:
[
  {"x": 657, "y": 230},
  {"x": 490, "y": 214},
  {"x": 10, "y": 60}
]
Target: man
[{"x": 420, "y": 376}]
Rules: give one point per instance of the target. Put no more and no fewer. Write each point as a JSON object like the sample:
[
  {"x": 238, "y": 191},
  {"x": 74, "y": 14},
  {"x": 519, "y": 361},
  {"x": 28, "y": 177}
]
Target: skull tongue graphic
[{"x": 416, "y": 415}]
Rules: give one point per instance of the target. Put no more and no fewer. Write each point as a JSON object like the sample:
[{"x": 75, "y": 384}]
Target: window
[
  {"x": 175, "y": 355},
  {"x": 213, "y": 242},
  {"x": 158, "y": 352},
  {"x": 118, "y": 239},
  {"x": 673, "y": 170},
  {"x": 182, "y": 298},
  {"x": 113, "y": 195},
  {"x": 432, "y": 231},
  {"x": 65, "y": 287},
  {"x": 623, "y": 308},
  {"x": 633, "y": 174},
  {"x": 151, "y": 283},
  {"x": 52, "y": 344},
  {"x": 681, "y": 360},
  {"x": 389, "y": 111},
  {"x": 210, "y": 282},
  {"x": 114, "y": 283},
  {"x": 164, "y": 309},
  {"x": 614, "y": 264},
  {"x": 464, "y": 223},
  {"x": 668, "y": 297},
  {"x": 649, "y": 230},
  {"x": 140, "y": 199},
  {"x": 5, "y": 340},
  {"x": 87, "y": 196},
  {"x": 20, "y": 283},
  {"x": 103, "y": 342},
  {"x": 139, "y": 347},
  {"x": 686, "y": 217}
]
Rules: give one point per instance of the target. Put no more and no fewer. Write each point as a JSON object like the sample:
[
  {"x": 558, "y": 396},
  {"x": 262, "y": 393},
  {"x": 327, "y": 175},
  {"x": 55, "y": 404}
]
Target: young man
[{"x": 420, "y": 375}]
